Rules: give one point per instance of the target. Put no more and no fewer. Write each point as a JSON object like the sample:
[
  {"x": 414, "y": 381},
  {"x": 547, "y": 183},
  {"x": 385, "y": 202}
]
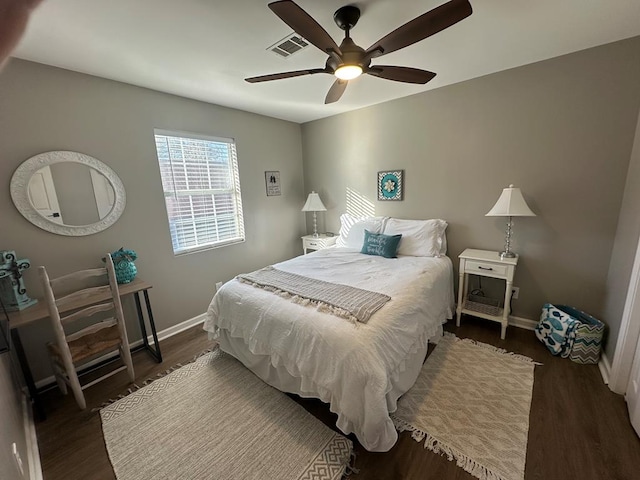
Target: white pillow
[
  {"x": 352, "y": 229},
  {"x": 346, "y": 222},
  {"x": 355, "y": 239},
  {"x": 443, "y": 244},
  {"x": 420, "y": 238}
]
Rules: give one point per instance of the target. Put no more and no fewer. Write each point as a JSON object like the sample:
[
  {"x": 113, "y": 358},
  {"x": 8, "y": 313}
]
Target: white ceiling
[{"x": 203, "y": 49}]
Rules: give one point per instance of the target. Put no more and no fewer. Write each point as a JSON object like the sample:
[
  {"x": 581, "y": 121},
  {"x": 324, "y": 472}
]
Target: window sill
[{"x": 207, "y": 247}]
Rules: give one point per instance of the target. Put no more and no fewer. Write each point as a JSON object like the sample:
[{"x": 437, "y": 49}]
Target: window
[{"x": 201, "y": 190}]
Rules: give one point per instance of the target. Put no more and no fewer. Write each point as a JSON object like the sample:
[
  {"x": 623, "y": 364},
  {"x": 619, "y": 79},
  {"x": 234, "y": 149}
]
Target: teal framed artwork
[{"x": 390, "y": 185}]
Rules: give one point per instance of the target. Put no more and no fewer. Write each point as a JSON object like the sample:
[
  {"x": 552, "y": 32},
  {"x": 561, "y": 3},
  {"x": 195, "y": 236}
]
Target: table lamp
[
  {"x": 314, "y": 204},
  {"x": 510, "y": 204}
]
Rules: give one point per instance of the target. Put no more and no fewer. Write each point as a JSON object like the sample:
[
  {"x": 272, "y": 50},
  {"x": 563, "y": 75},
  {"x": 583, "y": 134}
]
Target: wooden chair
[{"x": 71, "y": 350}]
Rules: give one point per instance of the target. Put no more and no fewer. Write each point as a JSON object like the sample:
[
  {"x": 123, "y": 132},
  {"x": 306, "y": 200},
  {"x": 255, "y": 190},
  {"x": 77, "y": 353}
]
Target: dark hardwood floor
[{"x": 578, "y": 428}]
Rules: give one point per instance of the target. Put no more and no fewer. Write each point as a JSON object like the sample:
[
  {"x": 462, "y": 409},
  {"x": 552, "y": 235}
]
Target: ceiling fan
[{"x": 348, "y": 61}]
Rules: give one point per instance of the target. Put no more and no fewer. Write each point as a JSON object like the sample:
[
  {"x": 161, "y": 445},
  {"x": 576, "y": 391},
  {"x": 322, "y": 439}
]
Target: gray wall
[
  {"x": 624, "y": 249},
  {"x": 12, "y": 428},
  {"x": 44, "y": 108},
  {"x": 561, "y": 129}
]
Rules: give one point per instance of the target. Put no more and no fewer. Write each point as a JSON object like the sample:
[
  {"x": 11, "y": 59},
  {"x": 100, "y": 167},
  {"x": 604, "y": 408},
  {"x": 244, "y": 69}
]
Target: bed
[{"x": 359, "y": 369}]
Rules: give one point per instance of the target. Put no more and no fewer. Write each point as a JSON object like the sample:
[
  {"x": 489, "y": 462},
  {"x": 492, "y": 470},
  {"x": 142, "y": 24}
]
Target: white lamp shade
[
  {"x": 314, "y": 204},
  {"x": 511, "y": 204}
]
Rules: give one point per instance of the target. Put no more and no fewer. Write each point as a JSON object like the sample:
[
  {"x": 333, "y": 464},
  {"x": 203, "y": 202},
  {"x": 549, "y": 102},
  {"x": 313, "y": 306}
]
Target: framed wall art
[
  {"x": 272, "y": 181},
  {"x": 390, "y": 185}
]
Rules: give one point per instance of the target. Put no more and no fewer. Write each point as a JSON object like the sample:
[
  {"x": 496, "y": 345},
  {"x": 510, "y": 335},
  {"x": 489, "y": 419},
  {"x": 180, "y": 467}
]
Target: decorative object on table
[
  {"x": 454, "y": 409},
  {"x": 12, "y": 290},
  {"x": 569, "y": 332},
  {"x": 123, "y": 262},
  {"x": 314, "y": 204},
  {"x": 4, "y": 328},
  {"x": 272, "y": 181},
  {"x": 510, "y": 204},
  {"x": 390, "y": 185},
  {"x": 174, "y": 419}
]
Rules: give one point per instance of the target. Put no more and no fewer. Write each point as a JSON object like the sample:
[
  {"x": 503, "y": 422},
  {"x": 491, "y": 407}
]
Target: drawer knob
[{"x": 480, "y": 267}]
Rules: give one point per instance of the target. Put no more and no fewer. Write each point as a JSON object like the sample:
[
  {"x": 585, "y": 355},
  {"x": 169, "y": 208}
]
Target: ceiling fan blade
[
  {"x": 401, "y": 74},
  {"x": 336, "y": 91},
  {"x": 421, "y": 27},
  {"x": 303, "y": 24},
  {"x": 280, "y": 76}
]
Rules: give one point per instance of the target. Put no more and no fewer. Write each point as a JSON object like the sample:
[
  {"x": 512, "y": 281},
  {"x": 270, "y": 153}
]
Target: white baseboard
[
  {"x": 162, "y": 335},
  {"x": 181, "y": 327},
  {"x": 522, "y": 322},
  {"x": 605, "y": 368}
]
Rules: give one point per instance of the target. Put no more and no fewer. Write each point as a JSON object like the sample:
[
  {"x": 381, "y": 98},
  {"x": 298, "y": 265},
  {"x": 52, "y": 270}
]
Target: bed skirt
[{"x": 378, "y": 439}]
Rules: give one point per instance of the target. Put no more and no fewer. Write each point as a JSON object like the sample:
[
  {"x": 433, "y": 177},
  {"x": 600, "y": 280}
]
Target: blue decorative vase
[{"x": 123, "y": 263}]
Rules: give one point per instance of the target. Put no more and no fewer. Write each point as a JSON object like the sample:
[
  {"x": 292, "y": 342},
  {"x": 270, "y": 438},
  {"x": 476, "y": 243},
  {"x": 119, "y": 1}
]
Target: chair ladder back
[
  {"x": 58, "y": 330},
  {"x": 115, "y": 291},
  {"x": 77, "y": 278},
  {"x": 100, "y": 293},
  {"x": 87, "y": 312}
]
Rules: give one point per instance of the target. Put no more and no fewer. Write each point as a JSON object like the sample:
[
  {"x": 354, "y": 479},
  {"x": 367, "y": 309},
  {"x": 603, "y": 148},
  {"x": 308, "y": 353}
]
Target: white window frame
[{"x": 234, "y": 190}]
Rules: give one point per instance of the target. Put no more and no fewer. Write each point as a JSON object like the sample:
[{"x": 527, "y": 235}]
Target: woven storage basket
[{"x": 588, "y": 343}]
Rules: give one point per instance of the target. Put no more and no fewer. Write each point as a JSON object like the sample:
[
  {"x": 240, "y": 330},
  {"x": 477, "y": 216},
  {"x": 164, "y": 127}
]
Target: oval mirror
[{"x": 68, "y": 193}]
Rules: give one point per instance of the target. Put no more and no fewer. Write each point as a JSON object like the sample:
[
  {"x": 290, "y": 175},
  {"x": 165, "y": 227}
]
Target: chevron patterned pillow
[{"x": 589, "y": 333}]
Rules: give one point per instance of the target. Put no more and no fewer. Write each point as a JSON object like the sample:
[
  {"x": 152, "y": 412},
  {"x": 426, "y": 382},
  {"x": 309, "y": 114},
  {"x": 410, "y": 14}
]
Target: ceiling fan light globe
[{"x": 348, "y": 72}]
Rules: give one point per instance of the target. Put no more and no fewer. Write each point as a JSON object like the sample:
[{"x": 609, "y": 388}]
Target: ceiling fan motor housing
[
  {"x": 346, "y": 17},
  {"x": 352, "y": 54}
]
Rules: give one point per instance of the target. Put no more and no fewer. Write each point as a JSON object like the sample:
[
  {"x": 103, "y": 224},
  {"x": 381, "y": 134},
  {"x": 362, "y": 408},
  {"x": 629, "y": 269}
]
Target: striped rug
[
  {"x": 471, "y": 402},
  {"x": 214, "y": 419}
]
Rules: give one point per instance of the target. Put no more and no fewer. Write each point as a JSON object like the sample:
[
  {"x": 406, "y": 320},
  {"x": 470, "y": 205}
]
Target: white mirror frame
[{"x": 20, "y": 192}]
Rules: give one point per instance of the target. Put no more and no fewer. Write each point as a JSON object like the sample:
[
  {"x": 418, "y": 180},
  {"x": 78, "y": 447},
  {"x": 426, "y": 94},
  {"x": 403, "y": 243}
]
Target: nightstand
[
  {"x": 485, "y": 263},
  {"x": 309, "y": 242}
]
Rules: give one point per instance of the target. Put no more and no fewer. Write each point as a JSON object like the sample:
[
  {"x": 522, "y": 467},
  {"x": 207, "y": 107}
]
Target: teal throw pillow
[{"x": 381, "y": 244}]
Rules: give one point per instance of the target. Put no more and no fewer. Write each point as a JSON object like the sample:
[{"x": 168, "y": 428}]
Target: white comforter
[{"x": 352, "y": 367}]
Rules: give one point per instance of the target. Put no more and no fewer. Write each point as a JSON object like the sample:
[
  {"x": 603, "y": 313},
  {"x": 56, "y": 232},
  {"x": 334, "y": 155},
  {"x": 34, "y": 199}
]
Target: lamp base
[
  {"x": 315, "y": 226},
  {"x": 507, "y": 255}
]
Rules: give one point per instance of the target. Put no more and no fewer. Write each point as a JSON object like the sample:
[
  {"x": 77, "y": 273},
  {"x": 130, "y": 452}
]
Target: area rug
[
  {"x": 471, "y": 402},
  {"x": 214, "y": 419}
]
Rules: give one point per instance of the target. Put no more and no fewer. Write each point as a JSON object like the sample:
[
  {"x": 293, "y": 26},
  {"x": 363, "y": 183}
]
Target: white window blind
[{"x": 201, "y": 189}]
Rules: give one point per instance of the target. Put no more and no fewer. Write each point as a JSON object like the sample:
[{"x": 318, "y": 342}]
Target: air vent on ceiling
[{"x": 289, "y": 45}]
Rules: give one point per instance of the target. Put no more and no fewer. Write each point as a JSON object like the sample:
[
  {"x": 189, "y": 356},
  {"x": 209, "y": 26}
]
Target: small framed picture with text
[{"x": 272, "y": 181}]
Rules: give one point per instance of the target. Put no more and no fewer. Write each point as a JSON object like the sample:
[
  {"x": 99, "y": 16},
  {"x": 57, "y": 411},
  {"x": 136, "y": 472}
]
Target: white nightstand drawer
[
  {"x": 309, "y": 242},
  {"x": 485, "y": 268}
]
